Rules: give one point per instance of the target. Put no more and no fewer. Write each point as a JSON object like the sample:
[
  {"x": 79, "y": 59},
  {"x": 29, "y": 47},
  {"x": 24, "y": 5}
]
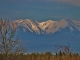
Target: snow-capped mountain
[
  {"x": 41, "y": 36},
  {"x": 48, "y": 27}
]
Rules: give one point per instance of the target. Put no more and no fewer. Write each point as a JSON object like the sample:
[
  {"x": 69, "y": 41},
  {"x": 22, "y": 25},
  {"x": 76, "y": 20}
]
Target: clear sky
[{"x": 40, "y": 10}]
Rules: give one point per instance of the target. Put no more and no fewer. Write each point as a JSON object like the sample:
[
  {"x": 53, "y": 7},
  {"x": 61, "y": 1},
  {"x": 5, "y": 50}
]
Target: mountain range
[
  {"x": 48, "y": 27},
  {"x": 42, "y": 36}
]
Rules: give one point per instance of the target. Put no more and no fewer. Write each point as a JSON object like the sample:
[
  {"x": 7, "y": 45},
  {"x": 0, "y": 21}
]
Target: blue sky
[{"x": 40, "y": 10}]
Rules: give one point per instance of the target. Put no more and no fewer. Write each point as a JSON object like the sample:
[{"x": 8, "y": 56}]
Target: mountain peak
[{"x": 50, "y": 21}]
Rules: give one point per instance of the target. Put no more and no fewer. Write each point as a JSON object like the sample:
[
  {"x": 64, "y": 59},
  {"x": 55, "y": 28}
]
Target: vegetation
[
  {"x": 50, "y": 56},
  {"x": 46, "y": 56},
  {"x": 10, "y": 46}
]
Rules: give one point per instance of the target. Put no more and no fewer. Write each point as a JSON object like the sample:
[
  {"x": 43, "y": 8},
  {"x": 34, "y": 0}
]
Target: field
[{"x": 41, "y": 56}]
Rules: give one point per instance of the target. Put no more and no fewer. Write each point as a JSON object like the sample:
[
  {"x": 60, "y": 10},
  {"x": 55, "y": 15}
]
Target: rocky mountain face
[{"x": 41, "y": 36}]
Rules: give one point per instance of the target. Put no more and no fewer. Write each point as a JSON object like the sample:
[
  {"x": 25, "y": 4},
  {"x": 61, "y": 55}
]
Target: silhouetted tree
[
  {"x": 60, "y": 53},
  {"x": 63, "y": 48}
]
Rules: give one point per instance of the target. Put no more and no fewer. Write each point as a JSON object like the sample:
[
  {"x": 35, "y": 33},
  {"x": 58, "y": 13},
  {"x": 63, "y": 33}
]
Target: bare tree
[
  {"x": 10, "y": 46},
  {"x": 63, "y": 48}
]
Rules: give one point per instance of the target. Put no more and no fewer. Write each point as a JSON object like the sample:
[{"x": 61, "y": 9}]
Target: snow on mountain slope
[
  {"x": 28, "y": 24},
  {"x": 44, "y": 25},
  {"x": 76, "y": 24},
  {"x": 47, "y": 27}
]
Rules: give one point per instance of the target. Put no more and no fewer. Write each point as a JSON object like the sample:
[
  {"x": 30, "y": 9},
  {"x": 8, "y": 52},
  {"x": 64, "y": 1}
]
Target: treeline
[
  {"x": 50, "y": 56},
  {"x": 43, "y": 56}
]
